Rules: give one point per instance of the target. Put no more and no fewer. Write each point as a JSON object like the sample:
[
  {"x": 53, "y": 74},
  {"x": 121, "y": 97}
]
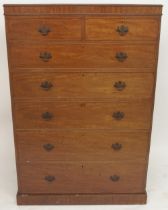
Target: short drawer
[
  {"x": 83, "y": 177},
  {"x": 81, "y": 145},
  {"x": 134, "y": 28},
  {"x": 81, "y": 55},
  {"x": 82, "y": 85},
  {"x": 90, "y": 115},
  {"x": 43, "y": 29}
]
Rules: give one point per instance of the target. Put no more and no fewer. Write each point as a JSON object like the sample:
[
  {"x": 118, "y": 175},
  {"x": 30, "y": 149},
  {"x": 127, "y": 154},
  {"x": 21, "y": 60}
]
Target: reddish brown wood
[
  {"x": 78, "y": 145},
  {"x": 113, "y": 9},
  {"x": 71, "y": 199},
  {"x": 59, "y": 28},
  {"x": 82, "y": 85},
  {"x": 85, "y": 115},
  {"x": 83, "y": 177},
  {"x": 23, "y": 54},
  {"x": 99, "y": 28},
  {"x": 89, "y": 123}
]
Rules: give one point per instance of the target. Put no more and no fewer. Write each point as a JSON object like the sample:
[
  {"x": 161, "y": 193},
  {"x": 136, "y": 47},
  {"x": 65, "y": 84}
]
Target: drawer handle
[
  {"x": 119, "y": 85},
  {"x": 122, "y": 30},
  {"x": 46, "y": 85},
  {"x": 121, "y": 56},
  {"x": 45, "y": 56},
  {"x": 114, "y": 178},
  {"x": 118, "y": 115},
  {"x": 44, "y": 30},
  {"x": 116, "y": 146},
  {"x": 49, "y": 178},
  {"x": 48, "y": 147},
  {"x": 47, "y": 116}
]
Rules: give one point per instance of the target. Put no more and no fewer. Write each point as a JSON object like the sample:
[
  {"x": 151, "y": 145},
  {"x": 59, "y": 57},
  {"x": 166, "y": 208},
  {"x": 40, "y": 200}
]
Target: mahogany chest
[{"x": 82, "y": 83}]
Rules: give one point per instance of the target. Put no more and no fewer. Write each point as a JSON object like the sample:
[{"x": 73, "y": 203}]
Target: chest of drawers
[{"x": 82, "y": 86}]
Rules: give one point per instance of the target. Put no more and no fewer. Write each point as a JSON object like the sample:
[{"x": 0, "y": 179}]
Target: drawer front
[
  {"x": 122, "y": 28},
  {"x": 62, "y": 114},
  {"x": 82, "y": 85},
  {"x": 43, "y": 29},
  {"x": 81, "y": 55},
  {"x": 78, "y": 145},
  {"x": 83, "y": 177}
]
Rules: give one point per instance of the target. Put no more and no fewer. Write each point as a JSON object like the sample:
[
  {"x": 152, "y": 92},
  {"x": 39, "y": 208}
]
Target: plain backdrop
[{"x": 157, "y": 184}]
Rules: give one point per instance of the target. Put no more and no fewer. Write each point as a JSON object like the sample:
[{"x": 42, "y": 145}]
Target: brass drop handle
[
  {"x": 122, "y": 30},
  {"x": 114, "y": 178},
  {"x": 121, "y": 56},
  {"x": 116, "y": 146},
  {"x": 48, "y": 147},
  {"x": 120, "y": 85},
  {"x": 47, "y": 116},
  {"x": 49, "y": 178},
  {"x": 118, "y": 115},
  {"x": 45, "y": 56},
  {"x": 44, "y": 30},
  {"x": 46, "y": 85}
]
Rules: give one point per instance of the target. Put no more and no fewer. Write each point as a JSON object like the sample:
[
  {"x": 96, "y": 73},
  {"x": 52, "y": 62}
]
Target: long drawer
[
  {"x": 62, "y": 114},
  {"x": 41, "y": 29},
  {"x": 83, "y": 177},
  {"x": 29, "y": 55},
  {"x": 80, "y": 145},
  {"x": 82, "y": 85}
]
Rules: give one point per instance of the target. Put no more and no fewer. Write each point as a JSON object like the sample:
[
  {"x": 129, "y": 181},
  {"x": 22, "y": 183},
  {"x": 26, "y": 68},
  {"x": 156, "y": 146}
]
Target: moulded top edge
[
  {"x": 113, "y": 5},
  {"x": 114, "y": 9}
]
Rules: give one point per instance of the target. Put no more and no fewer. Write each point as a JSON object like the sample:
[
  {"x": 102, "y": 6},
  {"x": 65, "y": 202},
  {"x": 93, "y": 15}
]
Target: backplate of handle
[
  {"x": 121, "y": 56},
  {"x": 118, "y": 115},
  {"x": 46, "y": 85},
  {"x": 44, "y": 30},
  {"x": 122, "y": 30},
  {"x": 120, "y": 85},
  {"x": 47, "y": 115},
  {"x": 114, "y": 178},
  {"x": 48, "y": 147},
  {"x": 45, "y": 56},
  {"x": 116, "y": 146},
  {"x": 49, "y": 178}
]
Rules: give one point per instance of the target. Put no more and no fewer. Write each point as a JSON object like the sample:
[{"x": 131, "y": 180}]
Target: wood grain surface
[
  {"x": 78, "y": 145},
  {"x": 73, "y": 115},
  {"x": 82, "y": 85},
  {"x": 105, "y": 28},
  {"x": 82, "y": 81},
  {"x": 59, "y": 28},
  {"x": 83, "y": 177},
  {"x": 23, "y": 54}
]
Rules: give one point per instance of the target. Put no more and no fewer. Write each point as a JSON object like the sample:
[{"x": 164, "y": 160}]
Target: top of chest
[{"x": 49, "y": 9}]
